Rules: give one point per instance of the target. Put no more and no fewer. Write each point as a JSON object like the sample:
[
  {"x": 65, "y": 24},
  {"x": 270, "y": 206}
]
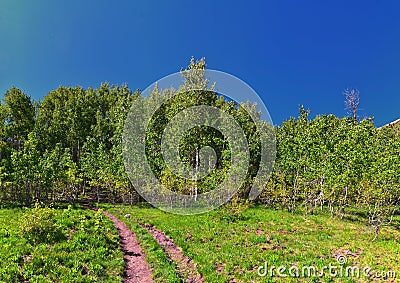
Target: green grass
[
  {"x": 78, "y": 245},
  {"x": 81, "y": 246},
  {"x": 228, "y": 251}
]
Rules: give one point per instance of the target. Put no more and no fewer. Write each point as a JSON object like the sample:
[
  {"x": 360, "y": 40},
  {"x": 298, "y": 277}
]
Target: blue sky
[{"x": 289, "y": 52}]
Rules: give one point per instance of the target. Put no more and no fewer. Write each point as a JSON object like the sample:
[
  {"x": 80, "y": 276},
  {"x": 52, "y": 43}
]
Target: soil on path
[
  {"x": 187, "y": 267},
  {"x": 137, "y": 269}
]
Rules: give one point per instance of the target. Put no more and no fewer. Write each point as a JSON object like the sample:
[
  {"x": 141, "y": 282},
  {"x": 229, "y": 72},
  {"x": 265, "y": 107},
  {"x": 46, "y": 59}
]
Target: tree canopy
[{"x": 69, "y": 146}]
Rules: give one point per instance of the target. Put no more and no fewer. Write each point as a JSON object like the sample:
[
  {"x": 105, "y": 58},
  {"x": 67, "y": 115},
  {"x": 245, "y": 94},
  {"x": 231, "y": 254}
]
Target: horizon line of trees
[
  {"x": 65, "y": 146},
  {"x": 69, "y": 147}
]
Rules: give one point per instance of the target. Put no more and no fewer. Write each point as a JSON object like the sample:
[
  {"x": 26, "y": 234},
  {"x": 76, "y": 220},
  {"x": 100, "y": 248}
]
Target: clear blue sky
[{"x": 290, "y": 52}]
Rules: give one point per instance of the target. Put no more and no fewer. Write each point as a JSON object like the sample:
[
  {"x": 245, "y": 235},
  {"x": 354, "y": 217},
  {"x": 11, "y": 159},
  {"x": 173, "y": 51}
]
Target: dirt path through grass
[
  {"x": 137, "y": 270},
  {"x": 187, "y": 267}
]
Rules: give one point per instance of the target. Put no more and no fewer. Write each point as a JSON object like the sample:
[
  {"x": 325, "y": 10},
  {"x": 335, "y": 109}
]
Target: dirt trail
[
  {"x": 137, "y": 269},
  {"x": 186, "y": 265}
]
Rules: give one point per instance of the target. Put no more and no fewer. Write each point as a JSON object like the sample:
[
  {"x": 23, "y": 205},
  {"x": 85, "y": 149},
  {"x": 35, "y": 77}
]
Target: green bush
[
  {"x": 233, "y": 210},
  {"x": 39, "y": 225}
]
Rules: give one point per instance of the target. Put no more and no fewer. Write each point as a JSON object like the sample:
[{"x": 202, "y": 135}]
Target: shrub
[
  {"x": 233, "y": 210},
  {"x": 39, "y": 225}
]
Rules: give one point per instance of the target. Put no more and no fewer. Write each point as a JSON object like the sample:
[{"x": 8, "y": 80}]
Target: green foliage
[
  {"x": 18, "y": 113},
  {"x": 85, "y": 250},
  {"x": 333, "y": 162},
  {"x": 69, "y": 147},
  {"x": 194, "y": 92},
  {"x": 42, "y": 144},
  {"x": 234, "y": 209},
  {"x": 227, "y": 251},
  {"x": 38, "y": 224}
]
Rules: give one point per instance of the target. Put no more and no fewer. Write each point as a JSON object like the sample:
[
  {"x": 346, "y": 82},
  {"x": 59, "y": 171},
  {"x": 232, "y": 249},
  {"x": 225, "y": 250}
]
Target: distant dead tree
[{"x": 352, "y": 101}]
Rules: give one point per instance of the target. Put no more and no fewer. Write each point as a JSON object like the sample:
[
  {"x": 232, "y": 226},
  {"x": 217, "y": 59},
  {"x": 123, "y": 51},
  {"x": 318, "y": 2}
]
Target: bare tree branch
[{"x": 352, "y": 101}]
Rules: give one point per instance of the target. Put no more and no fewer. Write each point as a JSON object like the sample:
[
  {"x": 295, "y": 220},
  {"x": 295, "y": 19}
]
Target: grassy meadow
[
  {"x": 232, "y": 251},
  {"x": 58, "y": 245},
  {"x": 73, "y": 244}
]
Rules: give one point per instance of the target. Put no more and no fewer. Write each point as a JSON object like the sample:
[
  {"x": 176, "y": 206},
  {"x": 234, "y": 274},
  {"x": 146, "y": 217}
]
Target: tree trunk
[{"x": 197, "y": 171}]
